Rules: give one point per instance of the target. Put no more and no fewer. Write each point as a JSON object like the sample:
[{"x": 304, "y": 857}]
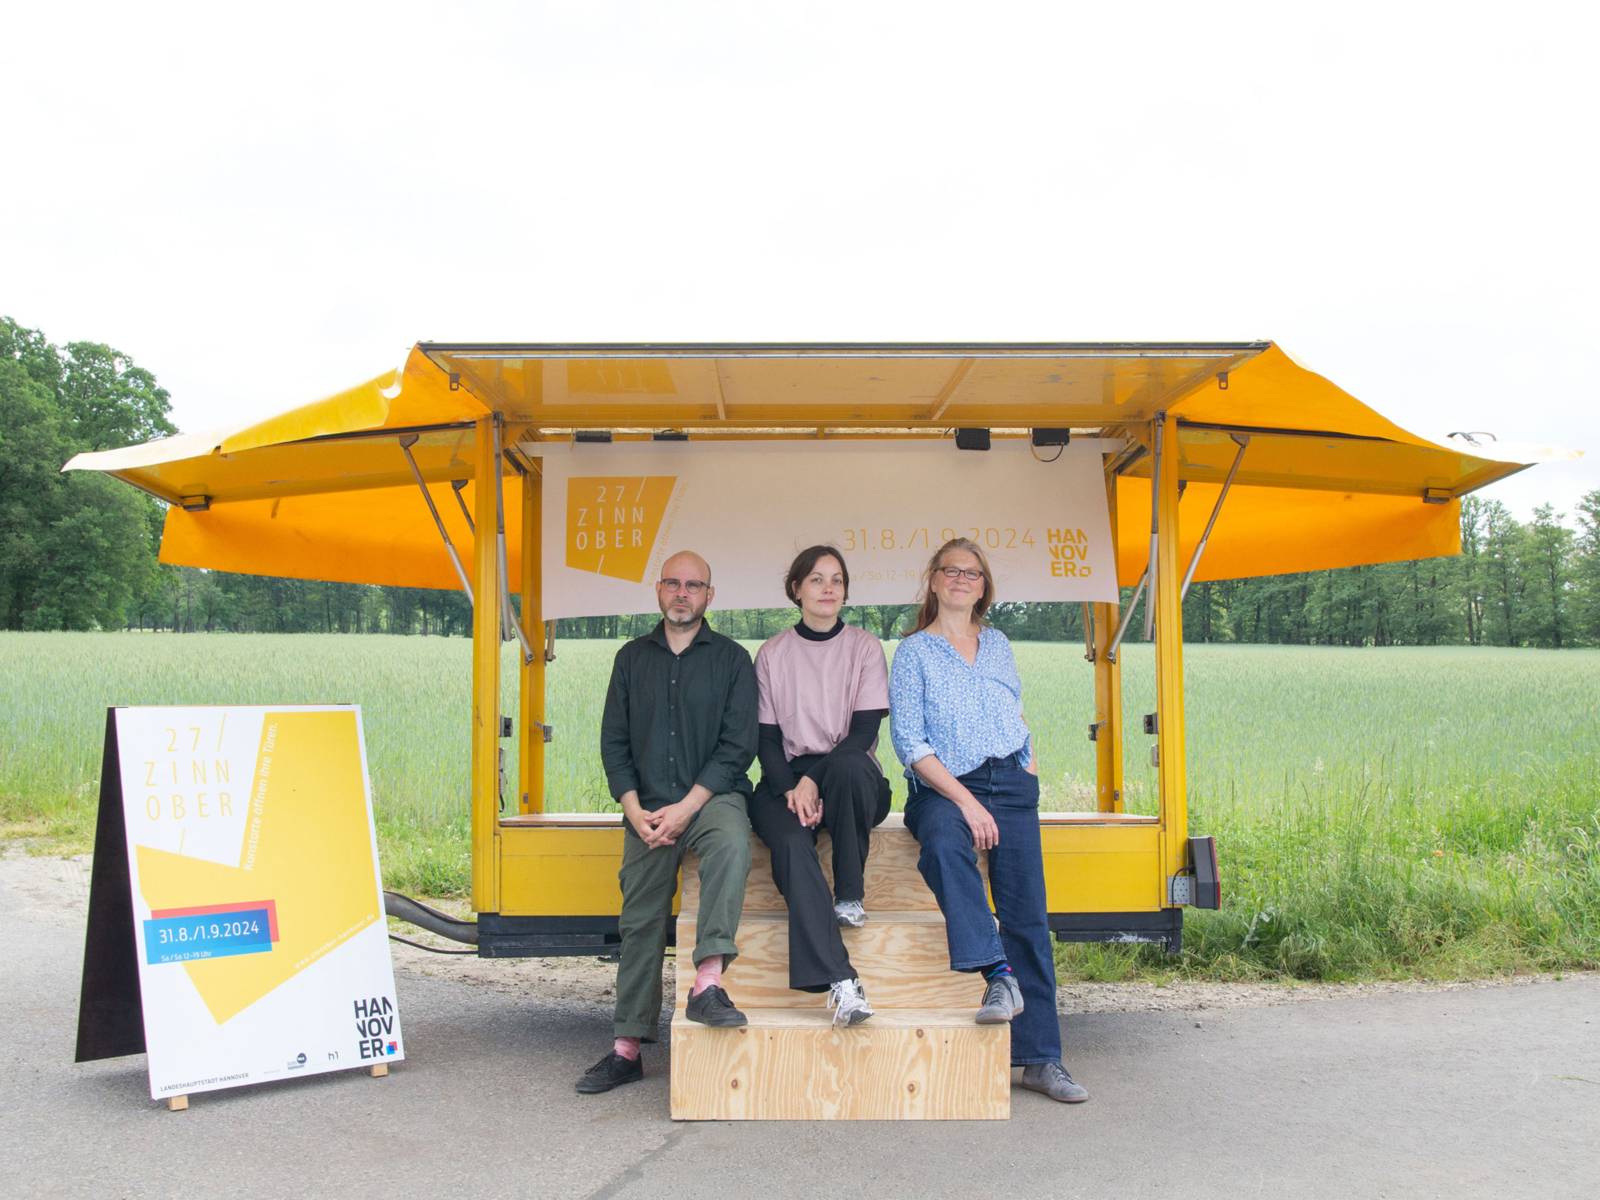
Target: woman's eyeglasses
[
  {"x": 970, "y": 574},
  {"x": 693, "y": 586}
]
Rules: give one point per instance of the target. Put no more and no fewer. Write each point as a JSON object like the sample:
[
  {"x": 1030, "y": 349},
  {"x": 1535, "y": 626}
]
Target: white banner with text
[{"x": 613, "y": 512}]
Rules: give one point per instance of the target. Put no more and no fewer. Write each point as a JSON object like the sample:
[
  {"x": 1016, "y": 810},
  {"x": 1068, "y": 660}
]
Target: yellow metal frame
[
  {"x": 485, "y": 675},
  {"x": 530, "y": 735},
  {"x": 1107, "y": 688},
  {"x": 1166, "y": 593},
  {"x": 543, "y": 864}
]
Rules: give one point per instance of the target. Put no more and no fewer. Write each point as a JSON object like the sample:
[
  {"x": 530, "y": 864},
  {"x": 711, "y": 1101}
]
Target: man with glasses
[{"x": 677, "y": 738}]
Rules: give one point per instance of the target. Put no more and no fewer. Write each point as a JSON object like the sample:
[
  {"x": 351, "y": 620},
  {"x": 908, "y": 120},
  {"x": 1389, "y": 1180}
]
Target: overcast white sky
[{"x": 264, "y": 205}]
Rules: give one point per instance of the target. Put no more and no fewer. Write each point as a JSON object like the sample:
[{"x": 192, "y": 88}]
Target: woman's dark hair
[{"x": 805, "y": 562}]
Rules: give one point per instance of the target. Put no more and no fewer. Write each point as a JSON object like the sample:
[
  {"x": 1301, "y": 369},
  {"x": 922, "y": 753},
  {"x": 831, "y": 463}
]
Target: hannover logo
[{"x": 374, "y": 1024}]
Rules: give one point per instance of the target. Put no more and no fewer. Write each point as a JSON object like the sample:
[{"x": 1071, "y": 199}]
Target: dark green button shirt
[{"x": 674, "y": 720}]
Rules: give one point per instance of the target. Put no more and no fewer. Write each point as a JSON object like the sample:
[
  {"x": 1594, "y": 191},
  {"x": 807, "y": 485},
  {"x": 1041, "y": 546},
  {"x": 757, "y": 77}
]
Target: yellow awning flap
[
  {"x": 293, "y": 454},
  {"x": 324, "y": 491},
  {"x": 379, "y": 535}
]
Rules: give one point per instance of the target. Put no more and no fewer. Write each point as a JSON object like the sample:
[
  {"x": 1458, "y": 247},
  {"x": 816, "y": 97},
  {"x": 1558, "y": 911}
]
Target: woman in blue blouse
[{"x": 955, "y": 716}]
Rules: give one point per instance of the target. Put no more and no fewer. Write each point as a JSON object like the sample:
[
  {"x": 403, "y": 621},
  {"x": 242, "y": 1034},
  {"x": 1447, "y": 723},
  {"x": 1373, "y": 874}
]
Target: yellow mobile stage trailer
[{"x": 1280, "y": 471}]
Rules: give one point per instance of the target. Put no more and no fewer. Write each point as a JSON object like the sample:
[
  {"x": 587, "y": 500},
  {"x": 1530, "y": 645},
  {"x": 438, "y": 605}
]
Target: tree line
[{"x": 78, "y": 551}]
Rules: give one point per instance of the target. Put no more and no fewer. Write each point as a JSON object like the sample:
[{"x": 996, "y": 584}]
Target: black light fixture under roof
[
  {"x": 972, "y": 439},
  {"x": 1051, "y": 437}
]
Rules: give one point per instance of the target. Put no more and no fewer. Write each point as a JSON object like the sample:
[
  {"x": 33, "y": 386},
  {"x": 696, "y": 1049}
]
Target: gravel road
[{"x": 1198, "y": 1091}]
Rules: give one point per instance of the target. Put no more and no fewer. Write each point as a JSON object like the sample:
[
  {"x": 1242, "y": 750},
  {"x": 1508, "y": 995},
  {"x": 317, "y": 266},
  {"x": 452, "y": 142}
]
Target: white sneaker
[
  {"x": 850, "y": 913},
  {"x": 848, "y": 999}
]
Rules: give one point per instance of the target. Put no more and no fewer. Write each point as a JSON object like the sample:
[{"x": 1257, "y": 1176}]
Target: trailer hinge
[
  {"x": 1152, "y": 723},
  {"x": 1180, "y": 889},
  {"x": 507, "y": 729},
  {"x": 1155, "y": 755},
  {"x": 1094, "y": 730}
]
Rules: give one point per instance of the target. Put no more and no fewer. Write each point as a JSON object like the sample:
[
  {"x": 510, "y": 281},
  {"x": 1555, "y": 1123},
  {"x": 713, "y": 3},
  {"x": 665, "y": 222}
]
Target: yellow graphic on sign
[
  {"x": 306, "y": 846},
  {"x": 612, "y": 522},
  {"x": 1069, "y": 553}
]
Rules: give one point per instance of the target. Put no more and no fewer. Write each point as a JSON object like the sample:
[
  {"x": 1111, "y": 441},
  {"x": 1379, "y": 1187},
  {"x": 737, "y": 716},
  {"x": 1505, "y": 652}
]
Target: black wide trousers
[{"x": 855, "y": 798}]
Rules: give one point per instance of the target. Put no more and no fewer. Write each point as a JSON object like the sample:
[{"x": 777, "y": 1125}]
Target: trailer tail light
[{"x": 1203, "y": 862}]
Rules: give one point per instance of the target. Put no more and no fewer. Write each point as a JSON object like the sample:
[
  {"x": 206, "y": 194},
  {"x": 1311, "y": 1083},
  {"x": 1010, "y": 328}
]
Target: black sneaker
[
  {"x": 611, "y": 1071},
  {"x": 712, "y": 1007}
]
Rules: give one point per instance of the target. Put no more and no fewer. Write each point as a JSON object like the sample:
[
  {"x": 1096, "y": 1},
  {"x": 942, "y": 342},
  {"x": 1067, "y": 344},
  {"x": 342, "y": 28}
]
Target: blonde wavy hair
[{"x": 928, "y": 601}]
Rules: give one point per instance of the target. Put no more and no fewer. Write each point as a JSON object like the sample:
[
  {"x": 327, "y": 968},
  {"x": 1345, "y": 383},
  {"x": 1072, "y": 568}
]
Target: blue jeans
[{"x": 949, "y": 864}]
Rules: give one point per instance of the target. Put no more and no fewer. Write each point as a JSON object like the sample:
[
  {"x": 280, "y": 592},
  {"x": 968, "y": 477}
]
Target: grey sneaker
[
  {"x": 1002, "y": 1001},
  {"x": 850, "y": 913},
  {"x": 848, "y": 999},
  {"x": 1052, "y": 1079}
]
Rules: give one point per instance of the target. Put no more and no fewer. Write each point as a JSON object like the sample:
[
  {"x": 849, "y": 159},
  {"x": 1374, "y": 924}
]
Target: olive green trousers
[{"x": 720, "y": 837}]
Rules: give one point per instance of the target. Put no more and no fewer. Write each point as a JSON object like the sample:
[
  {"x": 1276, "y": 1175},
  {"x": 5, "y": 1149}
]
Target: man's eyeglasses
[
  {"x": 971, "y": 574},
  {"x": 693, "y": 586}
]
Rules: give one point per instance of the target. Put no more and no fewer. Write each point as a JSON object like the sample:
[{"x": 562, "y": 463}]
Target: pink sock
[
  {"x": 627, "y": 1047},
  {"x": 708, "y": 974}
]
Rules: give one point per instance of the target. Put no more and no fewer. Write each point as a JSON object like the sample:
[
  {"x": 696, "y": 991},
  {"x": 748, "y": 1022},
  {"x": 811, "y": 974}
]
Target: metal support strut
[
  {"x": 509, "y": 625},
  {"x": 456, "y": 486},
  {"x": 1200, "y": 548},
  {"x": 449, "y": 547},
  {"x": 1127, "y": 616},
  {"x": 1155, "y": 493}
]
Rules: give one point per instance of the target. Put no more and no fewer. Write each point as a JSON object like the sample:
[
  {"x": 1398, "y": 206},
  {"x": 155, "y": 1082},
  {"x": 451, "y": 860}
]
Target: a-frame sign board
[
  {"x": 236, "y": 928},
  {"x": 110, "y": 1016}
]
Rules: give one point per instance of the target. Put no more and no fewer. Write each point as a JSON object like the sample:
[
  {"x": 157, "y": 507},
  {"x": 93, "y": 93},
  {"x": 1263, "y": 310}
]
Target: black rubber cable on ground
[
  {"x": 395, "y": 937},
  {"x": 414, "y": 912}
]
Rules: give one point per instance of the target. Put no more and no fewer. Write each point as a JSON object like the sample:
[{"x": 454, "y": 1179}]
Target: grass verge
[{"x": 1379, "y": 814}]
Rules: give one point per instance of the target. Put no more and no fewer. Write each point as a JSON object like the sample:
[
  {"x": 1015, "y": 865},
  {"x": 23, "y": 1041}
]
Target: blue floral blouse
[{"x": 964, "y": 714}]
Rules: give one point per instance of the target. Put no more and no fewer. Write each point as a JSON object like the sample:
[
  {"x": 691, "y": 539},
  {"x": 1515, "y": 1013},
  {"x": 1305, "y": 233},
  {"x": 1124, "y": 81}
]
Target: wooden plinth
[
  {"x": 793, "y": 1065},
  {"x": 893, "y": 883},
  {"x": 902, "y": 958},
  {"x": 921, "y": 1057}
]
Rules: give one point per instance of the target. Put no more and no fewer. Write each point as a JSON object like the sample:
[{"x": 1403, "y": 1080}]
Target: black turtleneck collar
[{"x": 811, "y": 635}]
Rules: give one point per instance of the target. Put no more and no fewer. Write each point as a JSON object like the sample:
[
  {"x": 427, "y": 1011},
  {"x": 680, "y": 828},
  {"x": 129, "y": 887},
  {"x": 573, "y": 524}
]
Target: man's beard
[{"x": 686, "y": 622}]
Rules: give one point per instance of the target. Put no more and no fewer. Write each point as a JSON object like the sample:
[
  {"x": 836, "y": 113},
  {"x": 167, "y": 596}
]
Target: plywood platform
[
  {"x": 893, "y": 883},
  {"x": 920, "y": 1057},
  {"x": 902, "y": 959},
  {"x": 793, "y": 1065}
]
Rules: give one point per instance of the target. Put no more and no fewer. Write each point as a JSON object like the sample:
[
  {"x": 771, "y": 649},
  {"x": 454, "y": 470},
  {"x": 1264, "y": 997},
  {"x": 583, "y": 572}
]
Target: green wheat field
[{"x": 1384, "y": 813}]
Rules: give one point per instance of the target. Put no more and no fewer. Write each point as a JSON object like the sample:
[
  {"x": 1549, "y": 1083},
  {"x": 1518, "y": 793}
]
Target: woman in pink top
[{"x": 824, "y": 691}]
